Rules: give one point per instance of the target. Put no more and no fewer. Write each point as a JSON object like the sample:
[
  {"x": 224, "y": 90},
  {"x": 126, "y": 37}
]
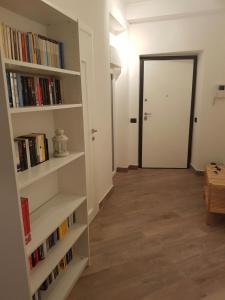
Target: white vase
[{"x": 60, "y": 141}]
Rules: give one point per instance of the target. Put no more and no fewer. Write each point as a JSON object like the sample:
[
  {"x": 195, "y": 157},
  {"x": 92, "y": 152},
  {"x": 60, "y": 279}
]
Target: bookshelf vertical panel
[{"x": 12, "y": 259}]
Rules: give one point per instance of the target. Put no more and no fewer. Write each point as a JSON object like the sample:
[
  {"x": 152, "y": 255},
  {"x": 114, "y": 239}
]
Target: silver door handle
[
  {"x": 148, "y": 114},
  {"x": 93, "y": 131}
]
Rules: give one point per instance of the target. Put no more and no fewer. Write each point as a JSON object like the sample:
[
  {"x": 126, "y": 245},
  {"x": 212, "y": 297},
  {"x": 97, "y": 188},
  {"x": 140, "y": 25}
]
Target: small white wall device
[{"x": 219, "y": 93}]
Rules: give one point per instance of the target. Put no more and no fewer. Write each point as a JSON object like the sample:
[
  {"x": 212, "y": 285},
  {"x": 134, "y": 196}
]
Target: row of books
[
  {"x": 31, "y": 150},
  {"x": 53, "y": 276},
  {"x": 31, "y": 47},
  {"x": 26, "y": 219},
  {"x": 24, "y": 90},
  {"x": 40, "y": 253}
]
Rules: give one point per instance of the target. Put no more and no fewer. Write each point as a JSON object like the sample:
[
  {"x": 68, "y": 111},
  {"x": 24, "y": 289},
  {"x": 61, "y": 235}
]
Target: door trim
[{"x": 144, "y": 58}]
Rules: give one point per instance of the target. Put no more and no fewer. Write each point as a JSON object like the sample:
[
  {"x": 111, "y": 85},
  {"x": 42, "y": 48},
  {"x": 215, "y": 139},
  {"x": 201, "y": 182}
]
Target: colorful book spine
[{"x": 26, "y": 219}]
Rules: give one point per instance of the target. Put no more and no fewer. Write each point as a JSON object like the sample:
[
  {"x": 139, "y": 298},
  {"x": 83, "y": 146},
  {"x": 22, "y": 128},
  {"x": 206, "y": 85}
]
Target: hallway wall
[
  {"x": 117, "y": 9},
  {"x": 201, "y": 34},
  {"x": 95, "y": 15}
]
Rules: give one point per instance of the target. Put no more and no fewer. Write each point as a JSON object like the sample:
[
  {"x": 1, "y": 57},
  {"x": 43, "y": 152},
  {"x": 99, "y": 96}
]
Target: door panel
[
  {"x": 167, "y": 97},
  {"x": 87, "y": 79}
]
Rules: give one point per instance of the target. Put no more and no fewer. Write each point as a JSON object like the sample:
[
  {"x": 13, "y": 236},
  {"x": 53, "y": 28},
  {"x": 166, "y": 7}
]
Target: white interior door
[
  {"x": 88, "y": 95},
  {"x": 167, "y": 99}
]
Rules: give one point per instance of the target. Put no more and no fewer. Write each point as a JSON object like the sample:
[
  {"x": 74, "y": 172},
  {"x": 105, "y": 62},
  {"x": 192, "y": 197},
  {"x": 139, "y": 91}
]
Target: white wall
[
  {"x": 204, "y": 35},
  {"x": 95, "y": 15},
  {"x": 162, "y": 9},
  {"x": 117, "y": 9}
]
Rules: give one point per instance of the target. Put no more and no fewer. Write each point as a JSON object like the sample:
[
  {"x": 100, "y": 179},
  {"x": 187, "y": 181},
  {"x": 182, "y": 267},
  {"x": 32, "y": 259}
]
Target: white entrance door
[
  {"x": 88, "y": 95},
  {"x": 167, "y": 98}
]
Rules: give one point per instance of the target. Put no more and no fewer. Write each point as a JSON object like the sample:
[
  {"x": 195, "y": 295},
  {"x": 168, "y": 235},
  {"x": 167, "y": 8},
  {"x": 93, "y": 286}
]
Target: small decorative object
[{"x": 60, "y": 141}]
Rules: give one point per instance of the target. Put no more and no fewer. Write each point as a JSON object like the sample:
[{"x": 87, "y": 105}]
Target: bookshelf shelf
[
  {"x": 41, "y": 271},
  {"x": 33, "y": 174},
  {"x": 25, "y": 67},
  {"x": 50, "y": 216},
  {"x": 44, "y": 108},
  {"x": 65, "y": 283}
]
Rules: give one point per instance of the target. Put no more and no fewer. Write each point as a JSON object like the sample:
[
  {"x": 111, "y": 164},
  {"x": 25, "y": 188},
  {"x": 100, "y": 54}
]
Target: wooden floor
[{"x": 150, "y": 242}]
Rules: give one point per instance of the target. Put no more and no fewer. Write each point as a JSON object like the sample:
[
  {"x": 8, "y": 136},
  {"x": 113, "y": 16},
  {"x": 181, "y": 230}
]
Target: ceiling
[{"x": 132, "y": 1}]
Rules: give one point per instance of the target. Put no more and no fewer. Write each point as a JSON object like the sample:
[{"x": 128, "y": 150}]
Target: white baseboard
[
  {"x": 107, "y": 192},
  {"x": 196, "y": 169},
  {"x": 92, "y": 213}
]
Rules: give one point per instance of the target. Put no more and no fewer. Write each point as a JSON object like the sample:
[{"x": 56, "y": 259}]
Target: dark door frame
[{"x": 144, "y": 58}]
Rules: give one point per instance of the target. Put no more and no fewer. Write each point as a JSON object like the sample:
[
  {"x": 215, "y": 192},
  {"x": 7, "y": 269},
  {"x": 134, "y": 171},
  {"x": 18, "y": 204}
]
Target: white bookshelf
[
  {"x": 31, "y": 175},
  {"x": 44, "y": 268},
  {"x": 56, "y": 188},
  {"x": 43, "y": 108},
  {"x": 26, "y": 67},
  {"x": 49, "y": 216},
  {"x": 66, "y": 282}
]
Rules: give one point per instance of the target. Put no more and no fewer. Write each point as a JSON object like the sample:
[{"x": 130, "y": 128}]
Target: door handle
[
  {"x": 148, "y": 114},
  {"x": 93, "y": 131}
]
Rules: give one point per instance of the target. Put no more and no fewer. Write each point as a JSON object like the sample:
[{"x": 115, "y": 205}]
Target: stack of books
[
  {"x": 26, "y": 219},
  {"x": 64, "y": 227},
  {"x": 31, "y": 150},
  {"x": 56, "y": 272},
  {"x": 26, "y": 90},
  {"x": 40, "y": 253},
  {"x": 31, "y": 47},
  {"x": 52, "y": 240},
  {"x": 37, "y": 256}
]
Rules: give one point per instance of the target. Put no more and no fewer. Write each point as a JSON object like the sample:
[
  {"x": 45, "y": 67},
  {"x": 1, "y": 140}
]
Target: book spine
[
  {"x": 40, "y": 95},
  {"x": 12, "y": 44},
  {"x": 28, "y": 153},
  {"x": 20, "y": 45},
  {"x": 6, "y": 42},
  {"x": 26, "y": 219},
  {"x": 21, "y": 159},
  {"x": 17, "y": 45},
  {"x": 3, "y": 39},
  {"x": 46, "y": 149},
  {"x": 13, "y": 89},
  {"x": 24, "y": 91},
  {"x": 50, "y": 91},
  {"x": 33, "y": 91},
  {"x": 9, "y": 89},
  {"x": 42, "y": 147},
  {"x": 18, "y": 165},
  {"x": 15, "y": 41},
  {"x": 24, "y": 153},
  {"x": 19, "y": 89},
  {"x": 9, "y": 42},
  {"x": 16, "y": 90},
  {"x": 28, "y": 48},
  {"x": 61, "y": 51}
]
